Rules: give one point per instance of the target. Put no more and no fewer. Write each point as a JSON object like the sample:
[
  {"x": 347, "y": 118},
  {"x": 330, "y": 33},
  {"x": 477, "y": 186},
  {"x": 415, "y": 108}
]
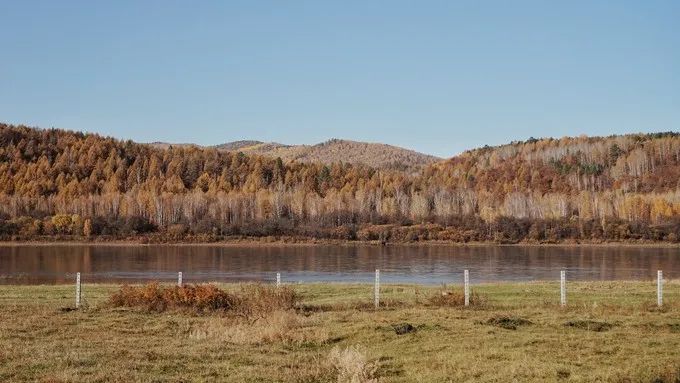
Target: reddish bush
[
  {"x": 155, "y": 297},
  {"x": 252, "y": 301}
]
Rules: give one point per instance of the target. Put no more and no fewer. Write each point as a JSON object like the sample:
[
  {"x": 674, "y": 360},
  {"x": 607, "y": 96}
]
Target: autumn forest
[{"x": 68, "y": 185}]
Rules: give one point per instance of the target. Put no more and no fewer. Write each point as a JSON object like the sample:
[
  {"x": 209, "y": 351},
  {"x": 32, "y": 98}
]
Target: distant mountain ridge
[
  {"x": 377, "y": 155},
  {"x": 245, "y": 145}
]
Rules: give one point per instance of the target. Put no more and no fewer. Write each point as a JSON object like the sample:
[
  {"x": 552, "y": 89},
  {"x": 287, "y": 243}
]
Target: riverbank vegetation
[
  {"x": 609, "y": 332},
  {"x": 70, "y": 185}
]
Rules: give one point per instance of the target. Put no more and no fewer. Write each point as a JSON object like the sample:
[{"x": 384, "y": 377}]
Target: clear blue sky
[{"x": 435, "y": 76}]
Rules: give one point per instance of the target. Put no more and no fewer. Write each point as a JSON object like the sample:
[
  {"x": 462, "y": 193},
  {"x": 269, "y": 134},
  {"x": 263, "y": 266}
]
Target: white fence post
[
  {"x": 659, "y": 288},
  {"x": 466, "y": 281},
  {"x": 78, "y": 290},
  {"x": 278, "y": 280},
  {"x": 376, "y": 292},
  {"x": 563, "y": 288},
  {"x": 179, "y": 279}
]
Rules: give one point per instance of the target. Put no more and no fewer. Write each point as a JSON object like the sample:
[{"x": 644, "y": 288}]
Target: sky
[{"x": 435, "y": 76}]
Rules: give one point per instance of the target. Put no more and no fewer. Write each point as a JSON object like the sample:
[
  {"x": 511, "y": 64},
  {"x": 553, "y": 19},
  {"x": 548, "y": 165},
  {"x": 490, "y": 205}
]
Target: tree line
[{"x": 57, "y": 182}]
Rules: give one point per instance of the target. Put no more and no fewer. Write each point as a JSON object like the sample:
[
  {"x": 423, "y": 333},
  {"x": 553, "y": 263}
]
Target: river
[{"x": 423, "y": 264}]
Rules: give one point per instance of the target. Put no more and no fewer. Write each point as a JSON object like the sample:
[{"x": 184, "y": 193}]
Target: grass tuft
[
  {"x": 508, "y": 322},
  {"x": 352, "y": 366}
]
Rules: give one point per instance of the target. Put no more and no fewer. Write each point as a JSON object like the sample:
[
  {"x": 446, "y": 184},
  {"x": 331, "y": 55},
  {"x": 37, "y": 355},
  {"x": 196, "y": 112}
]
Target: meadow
[{"x": 608, "y": 332}]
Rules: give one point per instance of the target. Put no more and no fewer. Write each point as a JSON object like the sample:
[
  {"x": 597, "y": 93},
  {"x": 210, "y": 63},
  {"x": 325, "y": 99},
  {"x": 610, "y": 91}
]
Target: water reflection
[{"x": 410, "y": 264}]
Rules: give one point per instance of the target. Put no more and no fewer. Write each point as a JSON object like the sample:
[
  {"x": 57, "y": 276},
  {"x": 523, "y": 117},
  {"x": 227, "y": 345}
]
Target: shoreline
[
  {"x": 673, "y": 282},
  {"x": 285, "y": 242}
]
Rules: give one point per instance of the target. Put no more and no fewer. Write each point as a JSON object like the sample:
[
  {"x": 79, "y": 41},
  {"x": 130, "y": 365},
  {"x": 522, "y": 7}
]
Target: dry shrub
[
  {"x": 415, "y": 233},
  {"x": 279, "y": 327},
  {"x": 352, "y": 366},
  {"x": 252, "y": 301},
  {"x": 154, "y": 297},
  {"x": 455, "y": 299},
  {"x": 459, "y": 234},
  {"x": 374, "y": 232},
  {"x": 257, "y": 300}
]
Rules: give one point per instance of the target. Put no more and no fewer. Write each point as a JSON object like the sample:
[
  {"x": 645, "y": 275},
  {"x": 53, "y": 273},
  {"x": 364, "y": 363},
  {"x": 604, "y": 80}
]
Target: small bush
[
  {"x": 177, "y": 230},
  {"x": 347, "y": 233}
]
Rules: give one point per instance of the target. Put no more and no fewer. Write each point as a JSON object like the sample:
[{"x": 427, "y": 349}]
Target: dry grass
[
  {"x": 344, "y": 339},
  {"x": 256, "y": 301},
  {"x": 446, "y": 298},
  {"x": 352, "y": 366},
  {"x": 590, "y": 325},
  {"x": 283, "y": 327},
  {"x": 252, "y": 301}
]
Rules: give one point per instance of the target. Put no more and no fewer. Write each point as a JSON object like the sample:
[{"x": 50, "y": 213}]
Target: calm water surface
[{"x": 40, "y": 264}]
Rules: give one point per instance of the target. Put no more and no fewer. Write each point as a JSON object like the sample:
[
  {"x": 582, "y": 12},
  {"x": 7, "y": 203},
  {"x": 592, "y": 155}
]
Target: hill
[
  {"x": 245, "y": 145},
  {"x": 376, "y": 155},
  {"x": 622, "y": 188},
  {"x": 640, "y": 163},
  {"x": 632, "y": 177},
  {"x": 372, "y": 154}
]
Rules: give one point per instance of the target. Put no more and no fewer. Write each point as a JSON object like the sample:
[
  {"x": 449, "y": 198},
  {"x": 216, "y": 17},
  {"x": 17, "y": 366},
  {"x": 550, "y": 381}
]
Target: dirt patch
[
  {"x": 563, "y": 374},
  {"x": 590, "y": 325},
  {"x": 508, "y": 322},
  {"x": 403, "y": 328}
]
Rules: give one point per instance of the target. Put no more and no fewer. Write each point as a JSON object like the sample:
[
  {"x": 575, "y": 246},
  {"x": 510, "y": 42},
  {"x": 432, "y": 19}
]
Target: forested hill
[
  {"x": 380, "y": 156},
  {"x": 62, "y": 183},
  {"x": 629, "y": 163}
]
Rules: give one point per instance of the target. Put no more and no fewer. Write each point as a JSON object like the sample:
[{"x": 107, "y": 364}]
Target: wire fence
[{"x": 381, "y": 293}]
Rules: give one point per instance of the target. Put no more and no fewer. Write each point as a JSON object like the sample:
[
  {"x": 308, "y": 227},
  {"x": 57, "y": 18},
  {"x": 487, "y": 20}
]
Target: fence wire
[{"x": 361, "y": 293}]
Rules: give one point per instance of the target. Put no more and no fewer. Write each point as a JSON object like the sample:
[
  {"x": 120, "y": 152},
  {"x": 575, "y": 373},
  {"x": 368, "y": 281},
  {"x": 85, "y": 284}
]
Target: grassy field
[{"x": 610, "y": 331}]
